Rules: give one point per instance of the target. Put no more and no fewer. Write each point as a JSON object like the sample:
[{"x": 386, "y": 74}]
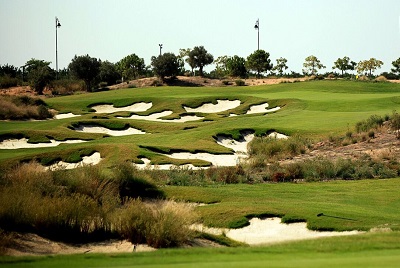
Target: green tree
[
  {"x": 236, "y": 66},
  {"x": 344, "y": 64},
  {"x": 39, "y": 74},
  {"x": 131, "y": 67},
  {"x": 85, "y": 68},
  {"x": 369, "y": 66},
  {"x": 184, "y": 57},
  {"x": 311, "y": 65},
  {"x": 280, "y": 65},
  {"x": 165, "y": 65},
  {"x": 221, "y": 66},
  {"x": 259, "y": 62},
  {"x": 108, "y": 73},
  {"x": 396, "y": 65},
  {"x": 9, "y": 70},
  {"x": 199, "y": 57}
]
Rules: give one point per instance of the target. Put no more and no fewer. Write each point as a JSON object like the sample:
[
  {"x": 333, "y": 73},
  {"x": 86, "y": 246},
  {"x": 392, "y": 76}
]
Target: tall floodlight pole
[
  {"x": 160, "y": 45},
  {"x": 58, "y": 25},
  {"x": 257, "y": 27}
]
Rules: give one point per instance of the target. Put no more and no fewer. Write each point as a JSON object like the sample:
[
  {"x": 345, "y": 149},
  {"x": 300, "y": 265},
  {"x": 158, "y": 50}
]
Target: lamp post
[
  {"x": 257, "y": 27},
  {"x": 58, "y": 25},
  {"x": 160, "y": 45}
]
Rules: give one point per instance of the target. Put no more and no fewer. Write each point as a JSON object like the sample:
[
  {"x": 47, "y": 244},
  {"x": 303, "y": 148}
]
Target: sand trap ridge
[
  {"x": 103, "y": 130},
  {"x": 221, "y": 106},
  {"x": 11, "y": 144},
  {"x": 262, "y": 108},
  {"x": 239, "y": 148},
  {"x": 67, "y": 115},
  {"x": 157, "y": 117},
  {"x": 93, "y": 159},
  {"x": 271, "y": 230},
  {"x": 136, "y": 107}
]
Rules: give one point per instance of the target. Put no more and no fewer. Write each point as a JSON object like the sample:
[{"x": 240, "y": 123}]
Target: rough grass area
[
  {"x": 23, "y": 108},
  {"x": 89, "y": 204}
]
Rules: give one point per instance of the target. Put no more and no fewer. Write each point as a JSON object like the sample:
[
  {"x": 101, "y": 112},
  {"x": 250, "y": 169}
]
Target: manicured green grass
[
  {"x": 371, "y": 250},
  {"x": 315, "y": 109},
  {"x": 348, "y": 205}
]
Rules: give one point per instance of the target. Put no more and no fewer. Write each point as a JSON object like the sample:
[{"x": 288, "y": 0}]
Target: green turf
[
  {"x": 315, "y": 109},
  {"x": 371, "y": 250},
  {"x": 348, "y": 205}
]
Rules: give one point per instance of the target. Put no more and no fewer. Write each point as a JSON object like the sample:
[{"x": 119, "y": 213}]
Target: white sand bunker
[
  {"x": 136, "y": 107},
  {"x": 222, "y": 105},
  {"x": 221, "y": 160},
  {"x": 262, "y": 108},
  {"x": 23, "y": 144},
  {"x": 147, "y": 165},
  {"x": 67, "y": 115},
  {"x": 93, "y": 159},
  {"x": 157, "y": 117},
  {"x": 271, "y": 230},
  {"x": 103, "y": 130}
]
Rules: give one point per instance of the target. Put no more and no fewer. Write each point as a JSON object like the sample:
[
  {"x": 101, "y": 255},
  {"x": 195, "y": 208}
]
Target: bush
[
  {"x": 373, "y": 121},
  {"x": 160, "y": 224},
  {"x": 67, "y": 86},
  {"x": 226, "y": 82},
  {"x": 23, "y": 108},
  {"x": 395, "y": 124},
  {"x": 240, "y": 83},
  {"x": 381, "y": 78},
  {"x": 7, "y": 81},
  {"x": 70, "y": 205}
]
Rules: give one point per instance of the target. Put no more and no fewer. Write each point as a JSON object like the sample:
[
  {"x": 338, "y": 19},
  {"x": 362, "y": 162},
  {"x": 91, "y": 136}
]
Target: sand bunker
[
  {"x": 63, "y": 116},
  {"x": 93, "y": 159},
  {"x": 222, "y": 160},
  {"x": 262, "y": 108},
  {"x": 271, "y": 230},
  {"x": 103, "y": 130},
  {"x": 221, "y": 106},
  {"x": 31, "y": 245},
  {"x": 147, "y": 165},
  {"x": 136, "y": 107},
  {"x": 157, "y": 117},
  {"x": 23, "y": 144}
]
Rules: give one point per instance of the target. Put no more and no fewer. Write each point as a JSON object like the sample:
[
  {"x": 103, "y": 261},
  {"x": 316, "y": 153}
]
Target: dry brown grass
[{"x": 22, "y": 108}]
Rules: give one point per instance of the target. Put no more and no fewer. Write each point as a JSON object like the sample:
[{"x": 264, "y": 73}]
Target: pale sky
[{"x": 111, "y": 30}]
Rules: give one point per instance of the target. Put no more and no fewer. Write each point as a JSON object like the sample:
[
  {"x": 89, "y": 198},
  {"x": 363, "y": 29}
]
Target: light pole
[
  {"x": 160, "y": 45},
  {"x": 58, "y": 25},
  {"x": 257, "y": 27}
]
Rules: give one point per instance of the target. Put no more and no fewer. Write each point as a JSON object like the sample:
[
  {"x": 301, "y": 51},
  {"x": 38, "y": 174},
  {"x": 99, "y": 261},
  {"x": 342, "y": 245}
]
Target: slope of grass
[
  {"x": 317, "y": 108},
  {"x": 372, "y": 250},
  {"x": 347, "y": 205}
]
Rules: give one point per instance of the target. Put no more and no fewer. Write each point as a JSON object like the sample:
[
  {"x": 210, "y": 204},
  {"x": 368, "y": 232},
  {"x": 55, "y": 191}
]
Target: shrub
[
  {"x": 395, "y": 124},
  {"x": 156, "y": 83},
  {"x": 240, "y": 83},
  {"x": 160, "y": 224},
  {"x": 7, "y": 81},
  {"x": 67, "y": 86},
  {"x": 373, "y": 121},
  {"x": 271, "y": 148},
  {"x": 381, "y": 78},
  {"x": 132, "y": 185},
  {"x": 226, "y": 82},
  {"x": 22, "y": 108}
]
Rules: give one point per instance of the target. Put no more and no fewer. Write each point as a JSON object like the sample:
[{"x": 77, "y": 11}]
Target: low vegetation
[
  {"x": 88, "y": 204},
  {"x": 23, "y": 108}
]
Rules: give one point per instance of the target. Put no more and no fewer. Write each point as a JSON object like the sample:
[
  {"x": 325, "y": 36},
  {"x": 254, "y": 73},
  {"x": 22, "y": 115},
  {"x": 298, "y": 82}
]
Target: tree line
[{"x": 97, "y": 73}]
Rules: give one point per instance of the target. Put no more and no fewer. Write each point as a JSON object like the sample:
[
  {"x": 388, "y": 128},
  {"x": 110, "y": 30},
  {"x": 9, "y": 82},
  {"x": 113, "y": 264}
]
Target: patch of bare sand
[
  {"x": 270, "y": 231},
  {"x": 32, "y": 244}
]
